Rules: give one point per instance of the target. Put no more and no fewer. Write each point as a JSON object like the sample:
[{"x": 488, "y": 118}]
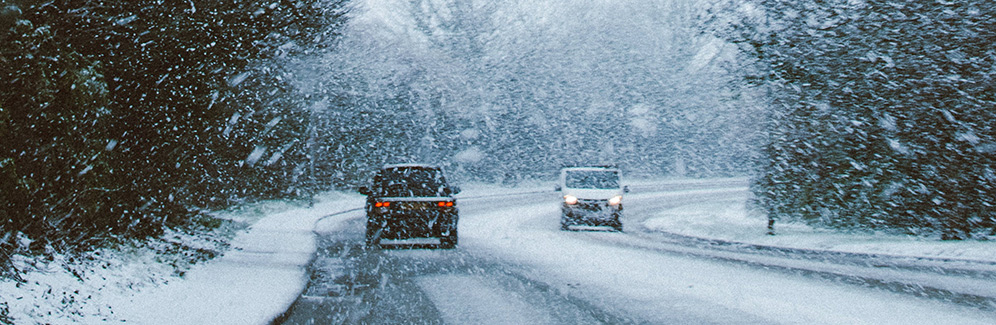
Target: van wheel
[
  {"x": 617, "y": 225},
  {"x": 565, "y": 222}
]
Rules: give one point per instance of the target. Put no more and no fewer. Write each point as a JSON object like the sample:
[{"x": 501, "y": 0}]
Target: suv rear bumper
[{"x": 418, "y": 224}]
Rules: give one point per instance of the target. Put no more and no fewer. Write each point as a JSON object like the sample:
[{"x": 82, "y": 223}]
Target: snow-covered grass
[
  {"x": 732, "y": 220},
  {"x": 79, "y": 287},
  {"x": 256, "y": 272}
]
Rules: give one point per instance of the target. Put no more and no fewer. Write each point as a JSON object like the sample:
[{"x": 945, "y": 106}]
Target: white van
[{"x": 591, "y": 196}]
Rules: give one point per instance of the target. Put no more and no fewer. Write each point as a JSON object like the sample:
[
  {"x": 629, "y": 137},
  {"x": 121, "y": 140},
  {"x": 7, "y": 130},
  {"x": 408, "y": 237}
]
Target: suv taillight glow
[
  {"x": 445, "y": 204},
  {"x": 382, "y": 204}
]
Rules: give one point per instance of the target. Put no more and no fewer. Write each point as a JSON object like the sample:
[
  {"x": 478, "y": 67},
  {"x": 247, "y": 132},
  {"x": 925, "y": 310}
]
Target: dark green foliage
[
  {"x": 882, "y": 113},
  {"x": 53, "y": 111},
  {"x": 120, "y": 117}
]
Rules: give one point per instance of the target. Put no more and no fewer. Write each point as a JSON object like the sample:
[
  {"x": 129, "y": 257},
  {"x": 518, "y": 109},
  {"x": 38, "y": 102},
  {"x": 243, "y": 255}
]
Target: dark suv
[{"x": 411, "y": 201}]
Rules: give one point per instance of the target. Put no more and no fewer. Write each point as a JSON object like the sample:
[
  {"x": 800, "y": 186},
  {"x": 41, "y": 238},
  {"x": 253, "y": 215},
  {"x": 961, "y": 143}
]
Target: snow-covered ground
[
  {"x": 729, "y": 219},
  {"x": 263, "y": 272},
  {"x": 619, "y": 275},
  {"x": 254, "y": 281}
]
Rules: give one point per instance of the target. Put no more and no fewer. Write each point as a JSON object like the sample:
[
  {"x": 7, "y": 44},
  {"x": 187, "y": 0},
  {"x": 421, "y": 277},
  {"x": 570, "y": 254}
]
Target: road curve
[{"x": 514, "y": 266}]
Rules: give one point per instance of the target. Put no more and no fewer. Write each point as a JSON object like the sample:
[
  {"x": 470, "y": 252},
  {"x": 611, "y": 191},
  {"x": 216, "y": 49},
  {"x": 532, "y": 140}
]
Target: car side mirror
[
  {"x": 365, "y": 190},
  {"x": 557, "y": 188},
  {"x": 626, "y": 189}
]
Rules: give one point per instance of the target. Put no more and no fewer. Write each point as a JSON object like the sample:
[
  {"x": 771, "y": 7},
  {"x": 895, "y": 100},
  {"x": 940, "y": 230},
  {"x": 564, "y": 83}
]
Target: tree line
[
  {"x": 119, "y": 118},
  {"x": 881, "y": 112},
  {"x": 510, "y": 91}
]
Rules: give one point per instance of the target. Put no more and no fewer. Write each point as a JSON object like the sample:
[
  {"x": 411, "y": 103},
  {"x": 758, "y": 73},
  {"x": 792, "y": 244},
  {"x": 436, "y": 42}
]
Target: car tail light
[
  {"x": 445, "y": 204},
  {"x": 382, "y": 204}
]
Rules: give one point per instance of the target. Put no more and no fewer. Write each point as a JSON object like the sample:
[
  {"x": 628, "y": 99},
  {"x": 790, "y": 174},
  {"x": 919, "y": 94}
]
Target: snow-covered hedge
[{"x": 881, "y": 112}]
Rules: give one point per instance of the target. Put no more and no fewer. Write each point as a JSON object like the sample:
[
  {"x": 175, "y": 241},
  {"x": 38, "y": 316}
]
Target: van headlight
[
  {"x": 570, "y": 199},
  {"x": 615, "y": 200}
]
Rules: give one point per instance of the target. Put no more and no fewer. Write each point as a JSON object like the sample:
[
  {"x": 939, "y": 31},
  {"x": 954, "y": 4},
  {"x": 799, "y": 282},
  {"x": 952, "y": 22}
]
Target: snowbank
[
  {"x": 256, "y": 279},
  {"x": 253, "y": 283},
  {"x": 730, "y": 220}
]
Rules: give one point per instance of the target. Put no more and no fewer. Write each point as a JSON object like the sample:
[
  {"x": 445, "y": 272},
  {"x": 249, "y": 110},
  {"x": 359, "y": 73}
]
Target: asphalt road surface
[{"x": 514, "y": 266}]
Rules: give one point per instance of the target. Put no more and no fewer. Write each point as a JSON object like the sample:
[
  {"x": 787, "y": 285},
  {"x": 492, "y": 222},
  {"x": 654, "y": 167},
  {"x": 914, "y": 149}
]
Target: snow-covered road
[{"x": 514, "y": 265}]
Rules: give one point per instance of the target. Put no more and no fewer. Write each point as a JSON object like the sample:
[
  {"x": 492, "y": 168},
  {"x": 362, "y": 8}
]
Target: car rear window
[{"x": 411, "y": 181}]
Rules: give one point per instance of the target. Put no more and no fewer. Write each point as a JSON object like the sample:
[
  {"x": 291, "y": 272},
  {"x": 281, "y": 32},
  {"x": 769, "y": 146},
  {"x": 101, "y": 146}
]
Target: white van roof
[{"x": 589, "y": 168}]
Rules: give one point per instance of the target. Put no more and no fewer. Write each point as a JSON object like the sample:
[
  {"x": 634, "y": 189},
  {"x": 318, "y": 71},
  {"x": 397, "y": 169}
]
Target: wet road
[
  {"x": 419, "y": 284},
  {"x": 413, "y": 284},
  {"x": 514, "y": 266}
]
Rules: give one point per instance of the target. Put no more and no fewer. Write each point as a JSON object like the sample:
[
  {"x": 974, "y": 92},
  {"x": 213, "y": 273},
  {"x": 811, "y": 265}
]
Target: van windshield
[{"x": 595, "y": 179}]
